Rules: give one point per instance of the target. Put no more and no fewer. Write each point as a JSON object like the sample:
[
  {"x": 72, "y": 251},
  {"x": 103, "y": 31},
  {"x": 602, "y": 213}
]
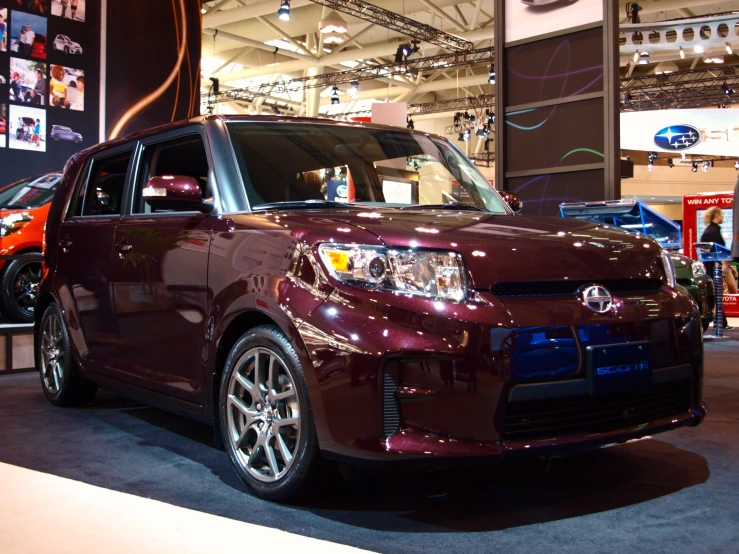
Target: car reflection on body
[{"x": 323, "y": 289}]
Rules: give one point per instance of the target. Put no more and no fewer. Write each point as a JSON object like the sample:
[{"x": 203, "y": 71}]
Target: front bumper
[{"x": 398, "y": 378}]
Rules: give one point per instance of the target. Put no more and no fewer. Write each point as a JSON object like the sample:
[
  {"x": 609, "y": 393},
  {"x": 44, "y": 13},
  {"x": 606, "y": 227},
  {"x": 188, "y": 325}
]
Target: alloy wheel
[
  {"x": 52, "y": 354},
  {"x": 25, "y": 287},
  {"x": 263, "y": 415}
]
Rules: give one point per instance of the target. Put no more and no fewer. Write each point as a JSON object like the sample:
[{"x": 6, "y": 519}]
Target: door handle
[{"x": 64, "y": 244}]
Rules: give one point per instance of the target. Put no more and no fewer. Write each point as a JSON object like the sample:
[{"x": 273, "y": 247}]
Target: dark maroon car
[{"x": 314, "y": 288}]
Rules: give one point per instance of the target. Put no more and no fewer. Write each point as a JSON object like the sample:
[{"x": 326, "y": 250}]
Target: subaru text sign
[{"x": 677, "y": 138}]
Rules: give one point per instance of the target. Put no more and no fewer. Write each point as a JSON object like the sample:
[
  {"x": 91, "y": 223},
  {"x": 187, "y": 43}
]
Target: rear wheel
[
  {"x": 60, "y": 378},
  {"x": 18, "y": 289},
  {"x": 266, "y": 417}
]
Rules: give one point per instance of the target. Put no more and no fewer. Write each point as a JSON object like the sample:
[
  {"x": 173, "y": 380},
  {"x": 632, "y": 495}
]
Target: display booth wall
[
  {"x": 694, "y": 206},
  {"x": 49, "y": 83},
  {"x": 71, "y": 78}
]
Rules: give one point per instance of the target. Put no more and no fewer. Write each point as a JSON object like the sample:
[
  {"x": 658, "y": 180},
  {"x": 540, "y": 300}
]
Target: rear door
[
  {"x": 160, "y": 274},
  {"x": 85, "y": 244}
]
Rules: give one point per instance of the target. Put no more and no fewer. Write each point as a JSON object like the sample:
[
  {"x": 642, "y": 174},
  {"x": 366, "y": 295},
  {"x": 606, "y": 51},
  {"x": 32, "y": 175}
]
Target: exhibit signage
[
  {"x": 530, "y": 18},
  {"x": 711, "y": 132},
  {"x": 694, "y": 207}
]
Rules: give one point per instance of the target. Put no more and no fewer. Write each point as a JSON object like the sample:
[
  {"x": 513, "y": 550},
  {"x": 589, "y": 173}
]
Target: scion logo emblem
[{"x": 597, "y": 298}]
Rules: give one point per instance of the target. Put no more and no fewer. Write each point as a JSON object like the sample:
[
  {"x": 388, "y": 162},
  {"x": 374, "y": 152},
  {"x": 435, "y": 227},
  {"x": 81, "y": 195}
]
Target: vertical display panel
[
  {"x": 542, "y": 194},
  {"x": 49, "y": 60}
]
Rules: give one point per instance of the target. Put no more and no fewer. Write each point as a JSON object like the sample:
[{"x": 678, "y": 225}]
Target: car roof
[{"x": 247, "y": 118}]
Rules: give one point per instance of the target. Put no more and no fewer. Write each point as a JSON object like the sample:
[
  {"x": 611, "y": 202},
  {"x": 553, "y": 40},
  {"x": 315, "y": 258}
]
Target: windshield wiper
[
  {"x": 302, "y": 205},
  {"x": 14, "y": 207},
  {"x": 449, "y": 206}
]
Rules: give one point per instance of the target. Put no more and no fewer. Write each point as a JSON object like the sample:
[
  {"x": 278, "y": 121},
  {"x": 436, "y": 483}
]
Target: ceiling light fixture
[
  {"x": 706, "y": 165},
  {"x": 491, "y": 75},
  {"x": 644, "y": 58},
  {"x": 283, "y": 14},
  {"x": 682, "y": 53},
  {"x": 409, "y": 123},
  {"x": 698, "y": 49},
  {"x": 636, "y": 56},
  {"x": 332, "y": 23},
  {"x": 335, "y": 96},
  {"x": 353, "y": 89},
  {"x": 694, "y": 167},
  {"x": 728, "y": 49}
]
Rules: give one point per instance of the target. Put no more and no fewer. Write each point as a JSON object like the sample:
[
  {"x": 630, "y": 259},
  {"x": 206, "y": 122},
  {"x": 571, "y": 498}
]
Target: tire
[
  {"x": 55, "y": 137},
  {"x": 66, "y": 49},
  {"x": 18, "y": 287},
  {"x": 278, "y": 461},
  {"x": 60, "y": 378}
]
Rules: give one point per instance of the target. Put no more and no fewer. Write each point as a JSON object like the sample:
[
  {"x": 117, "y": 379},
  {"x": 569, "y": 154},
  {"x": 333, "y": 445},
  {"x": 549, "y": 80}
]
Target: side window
[
  {"x": 182, "y": 156},
  {"x": 105, "y": 183}
]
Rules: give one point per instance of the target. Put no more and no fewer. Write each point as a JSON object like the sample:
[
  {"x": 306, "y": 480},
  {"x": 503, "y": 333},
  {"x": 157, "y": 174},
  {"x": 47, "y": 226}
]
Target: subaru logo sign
[
  {"x": 677, "y": 137},
  {"x": 596, "y": 298}
]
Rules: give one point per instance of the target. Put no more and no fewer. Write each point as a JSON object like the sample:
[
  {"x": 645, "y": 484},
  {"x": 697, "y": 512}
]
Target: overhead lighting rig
[
  {"x": 326, "y": 80},
  {"x": 283, "y": 13},
  {"x": 396, "y": 22}
]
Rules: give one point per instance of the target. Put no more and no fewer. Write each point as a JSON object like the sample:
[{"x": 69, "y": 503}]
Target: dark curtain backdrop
[{"x": 144, "y": 37}]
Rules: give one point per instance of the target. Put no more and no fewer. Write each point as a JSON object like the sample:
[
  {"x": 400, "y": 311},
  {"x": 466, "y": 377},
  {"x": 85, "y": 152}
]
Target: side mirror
[
  {"x": 513, "y": 201},
  {"x": 174, "y": 192}
]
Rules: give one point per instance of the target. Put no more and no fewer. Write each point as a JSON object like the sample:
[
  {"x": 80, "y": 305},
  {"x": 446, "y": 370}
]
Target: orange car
[{"x": 24, "y": 206}]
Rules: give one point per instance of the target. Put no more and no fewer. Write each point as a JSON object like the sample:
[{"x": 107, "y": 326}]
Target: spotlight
[
  {"x": 727, "y": 90},
  {"x": 203, "y": 11},
  {"x": 698, "y": 49},
  {"x": 670, "y": 163},
  {"x": 644, "y": 58},
  {"x": 736, "y": 165},
  {"x": 353, "y": 89},
  {"x": 457, "y": 117},
  {"x": 694, "y": 167},
  {"x": 491, "y": 73},
  {"x": 636, "y": 57},
  {"x": 682, "y": 53},
  {"x": 728, "y": 49},
  {"x": 283, "y": 14},
  {"x": 335, "y": 96},
  {"x": 491, "y": 118},
  {"x": 402, "y": 53},
  {"x": 469, "y": 117},
  {"x": 706, "y": 165},
  {"x": 409, "y": 123},
  {"x": 635, "y": 9},
  {"x": 650, "y": 165},
  {"x": 461, "y": 136},
  {"x": 467, "y": 134}
]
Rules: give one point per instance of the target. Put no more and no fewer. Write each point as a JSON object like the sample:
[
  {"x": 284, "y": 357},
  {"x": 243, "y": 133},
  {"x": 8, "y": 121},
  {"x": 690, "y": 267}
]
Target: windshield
[
  {"x": 30, "y": 193},
  {"x": 295, "y": 163}
]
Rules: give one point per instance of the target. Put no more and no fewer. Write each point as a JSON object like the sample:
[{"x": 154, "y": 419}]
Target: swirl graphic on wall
[{"x": 162, "y": 89}]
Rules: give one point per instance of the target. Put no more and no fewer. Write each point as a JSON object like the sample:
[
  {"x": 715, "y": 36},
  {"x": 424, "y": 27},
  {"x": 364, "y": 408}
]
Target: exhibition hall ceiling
[{"x": 246, "y": 46}]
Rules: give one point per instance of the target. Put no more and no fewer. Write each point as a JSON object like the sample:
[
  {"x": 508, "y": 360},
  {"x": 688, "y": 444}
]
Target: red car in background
[
  {"x": 24, "y": 206},
  {"x": 3, "y": 125}
]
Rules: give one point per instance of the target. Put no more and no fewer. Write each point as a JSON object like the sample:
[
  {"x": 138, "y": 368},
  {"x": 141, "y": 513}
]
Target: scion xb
[{"x": 316, "y": 289}]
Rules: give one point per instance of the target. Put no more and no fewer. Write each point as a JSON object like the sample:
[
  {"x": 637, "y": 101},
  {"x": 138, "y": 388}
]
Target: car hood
[{"x": 495, "y": 248}]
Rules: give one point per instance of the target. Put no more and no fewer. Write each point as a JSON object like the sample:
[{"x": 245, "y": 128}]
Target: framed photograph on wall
[
  {"x": 67, "y": 88},
  {"x": 27, "y": 128}
]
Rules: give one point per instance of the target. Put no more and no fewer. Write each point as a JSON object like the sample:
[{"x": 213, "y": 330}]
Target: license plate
[{"x": 619, "y": 367}]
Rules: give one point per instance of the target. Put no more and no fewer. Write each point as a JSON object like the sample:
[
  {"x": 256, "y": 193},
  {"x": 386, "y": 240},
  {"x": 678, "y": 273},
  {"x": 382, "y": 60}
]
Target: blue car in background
[{"x": 60, "y": 132}]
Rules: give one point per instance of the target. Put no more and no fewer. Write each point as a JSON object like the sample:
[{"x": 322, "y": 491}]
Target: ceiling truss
[{"x": 396, "y": 22}]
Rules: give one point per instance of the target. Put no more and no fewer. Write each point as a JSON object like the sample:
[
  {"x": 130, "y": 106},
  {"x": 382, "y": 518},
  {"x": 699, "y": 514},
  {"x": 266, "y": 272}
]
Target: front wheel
[
  {"x": 60, "y": 379},
  {"x": 18, "y": 288},
  {"x": 266, "y": 417}
]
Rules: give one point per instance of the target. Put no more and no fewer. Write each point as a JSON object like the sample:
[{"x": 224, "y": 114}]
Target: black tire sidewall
[
  {"x": 296, "y": 482},
  {"x": 8, "y": 303}
]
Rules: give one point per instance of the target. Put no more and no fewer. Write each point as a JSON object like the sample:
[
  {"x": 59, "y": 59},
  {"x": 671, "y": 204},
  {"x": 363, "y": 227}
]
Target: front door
[
  {"x": 84, "y": 268},
  {"x": 160, "y": 278}
]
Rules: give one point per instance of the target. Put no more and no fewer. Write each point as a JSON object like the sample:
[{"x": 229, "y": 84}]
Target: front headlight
[
  {"x": 14, "y": 222},
  {"x": 699, "y": 270},
  {"x": 436, "y": 274},
  {"x": 670, "y": 279}
]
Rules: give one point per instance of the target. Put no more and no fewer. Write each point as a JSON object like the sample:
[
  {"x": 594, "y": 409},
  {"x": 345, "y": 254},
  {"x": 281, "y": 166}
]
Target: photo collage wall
[{"x": 49, "y": 59}]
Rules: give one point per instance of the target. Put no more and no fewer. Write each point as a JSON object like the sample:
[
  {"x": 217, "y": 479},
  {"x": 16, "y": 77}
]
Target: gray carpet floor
[{"x": 677, "y": 492}]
